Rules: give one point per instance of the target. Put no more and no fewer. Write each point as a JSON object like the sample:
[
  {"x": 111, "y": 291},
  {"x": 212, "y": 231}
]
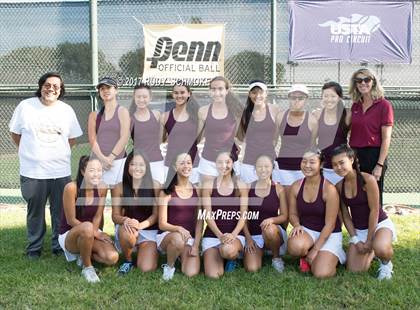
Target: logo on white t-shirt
[{"x": 47, "y": 130}]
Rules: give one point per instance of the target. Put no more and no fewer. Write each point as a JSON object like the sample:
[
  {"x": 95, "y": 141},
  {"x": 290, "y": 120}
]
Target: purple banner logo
[
  {"x": 337, "y": 31},
  {"x": 356, "y": 29}
]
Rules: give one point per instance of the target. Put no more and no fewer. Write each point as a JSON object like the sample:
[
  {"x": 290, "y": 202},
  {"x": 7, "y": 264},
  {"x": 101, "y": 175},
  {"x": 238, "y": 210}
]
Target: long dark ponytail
[
  {"x": 81, "y": 191},
  {"x": 249, "y": 108}
]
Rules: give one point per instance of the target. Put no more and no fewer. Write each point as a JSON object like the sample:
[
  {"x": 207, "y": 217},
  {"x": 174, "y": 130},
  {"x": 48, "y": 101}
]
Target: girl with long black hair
[
  {"x": 333, "y": 126},
  {"x": 134, "y": 211},
  {"x": 146, "y": 130},
  {"x": 83, "y": 205},
  {"x": 256, "y": 130}
]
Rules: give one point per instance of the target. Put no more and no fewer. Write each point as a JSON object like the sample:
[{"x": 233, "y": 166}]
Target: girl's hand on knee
[
  {"x": 250, "y": 246},
  {"x": 312, "y": 255},
  {"x": 105, "y": 238},
  {"x": 360, "y": 247},
  {"x": 366, "y": 247},
  {"x": 185, "y": 234},
  {"x": 228, "y": 238},
  {"x": 266, "y": 223},
  {"x": 128, "y": 226},
  {"x": 194, "y": 251},
  {"x": 296, "y": 231}
]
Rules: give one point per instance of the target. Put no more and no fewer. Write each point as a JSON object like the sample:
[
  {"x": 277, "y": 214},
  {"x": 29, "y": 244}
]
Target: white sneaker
[
  {"x": 277, "y": 264},
  {"x": 385, "y": 271},
  {"x": 168, "y": 272},
  {"x": 90, "y": 275}
]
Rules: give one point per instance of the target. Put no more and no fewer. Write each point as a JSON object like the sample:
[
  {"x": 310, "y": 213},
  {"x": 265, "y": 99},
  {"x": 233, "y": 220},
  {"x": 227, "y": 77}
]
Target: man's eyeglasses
[
  {"x": 48, "y": 86},
  {"x": 360, "y": 80}
]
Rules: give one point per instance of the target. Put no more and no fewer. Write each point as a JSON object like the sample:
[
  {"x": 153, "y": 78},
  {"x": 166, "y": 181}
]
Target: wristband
[
  {"x": 354, "y": 239},
  {"x": 380, "y": 165},
  {"x": 114, "y": 154}
]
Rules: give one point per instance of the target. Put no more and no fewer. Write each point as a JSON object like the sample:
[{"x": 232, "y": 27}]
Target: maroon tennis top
[
  {"x": 146, "y": 136},
  {"x": 266, "y": 207},
  {"x": 294, "y": 142},
  {"x": 86, "y": 214},
  {"x": 312, "y": 214},
  {"x": 329, "y": 137},
  {"x": 229, "y": 206},
  {"x": 359, "y": 206},
  {"x": 219, "y": 135},
  {"x": 183, "y": 212},
  {"x": 259, "y": 139},
  {"x": 366, "y": 127},
  {"x": 109, "y": 133},
  {"x": 182, "y": 138}
]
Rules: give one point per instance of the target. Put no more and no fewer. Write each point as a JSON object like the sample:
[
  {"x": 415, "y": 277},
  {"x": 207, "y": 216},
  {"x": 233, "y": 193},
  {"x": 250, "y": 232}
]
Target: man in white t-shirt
[{"x": 44, "y": 129}]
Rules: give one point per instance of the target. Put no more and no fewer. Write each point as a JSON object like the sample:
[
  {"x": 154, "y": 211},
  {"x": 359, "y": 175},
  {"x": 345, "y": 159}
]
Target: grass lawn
[{"x": 51, "y": 282}]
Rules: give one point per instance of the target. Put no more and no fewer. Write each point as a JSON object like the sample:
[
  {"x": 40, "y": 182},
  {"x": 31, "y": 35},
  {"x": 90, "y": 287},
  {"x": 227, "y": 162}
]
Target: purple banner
[{"x": 351, "y": 31}]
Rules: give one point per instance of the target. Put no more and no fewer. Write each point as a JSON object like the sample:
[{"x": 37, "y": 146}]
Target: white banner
[{"x": 193, "y": 53}]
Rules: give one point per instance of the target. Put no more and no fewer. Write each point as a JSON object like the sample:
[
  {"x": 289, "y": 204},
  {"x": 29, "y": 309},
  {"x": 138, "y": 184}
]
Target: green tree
[
  {"x": 76, "y": 62},
  {"x": 195, "y": 20},
  {"x": 132, "y": 63},
  {"x": 73, "y": 60},
  {"x": 26, "y": 64},
  {"x": 248, "y": 65}
]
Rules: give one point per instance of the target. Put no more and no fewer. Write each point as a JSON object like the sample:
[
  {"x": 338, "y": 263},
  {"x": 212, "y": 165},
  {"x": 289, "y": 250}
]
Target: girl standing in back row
[
  {"x": 298, "y": 130},
  {"x": 333, "y": 126},
  {"x": 146, "y": 130},
  {"x": 257, "y": 130},
  {"x": 108, "y": 132},
  {"x": 180, "y": 128},
  {"x": 218, "y": 123}
]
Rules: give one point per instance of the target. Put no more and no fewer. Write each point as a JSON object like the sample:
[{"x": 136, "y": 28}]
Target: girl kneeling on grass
[
  {"x": 268, "y": 200},
  {"x": 135, "y": 214},
  {"x": 371, "y": 231},
  {"x": 313, "y": 211},
  {"x": 179, "y": 228},
  {"x": 225, "y": 202},
  {"x": 83, "y": 204}
]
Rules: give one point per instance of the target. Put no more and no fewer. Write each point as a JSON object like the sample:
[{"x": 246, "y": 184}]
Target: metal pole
[
  {"x": 339, "y": 72},
  {"x": 94, "y": 43},
  {"x": 274, "y": 42}
]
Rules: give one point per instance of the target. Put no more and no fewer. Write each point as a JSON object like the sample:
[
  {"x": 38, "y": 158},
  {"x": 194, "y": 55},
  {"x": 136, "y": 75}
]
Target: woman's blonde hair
[{"x": 377, "y": 91}]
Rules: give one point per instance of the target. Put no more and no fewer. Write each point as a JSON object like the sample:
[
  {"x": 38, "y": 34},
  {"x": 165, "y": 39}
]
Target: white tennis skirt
[
  {"x": 362, "y": 233},
  {"x": 114, "y": 175},
  {"x": 259, "y": 240},
  {"x": 211, "y": 242},
  {"x": 331, "y": 176},
  {"x": 143, "y": 236},
  {"x": 287, "y": 177},
  {"x": 161, "y": 236},
  {"x": 334, "y": 243}
]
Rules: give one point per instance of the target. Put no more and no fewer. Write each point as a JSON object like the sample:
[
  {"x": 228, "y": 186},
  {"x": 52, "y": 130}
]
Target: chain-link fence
[{"x": 54, "y": 36}]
